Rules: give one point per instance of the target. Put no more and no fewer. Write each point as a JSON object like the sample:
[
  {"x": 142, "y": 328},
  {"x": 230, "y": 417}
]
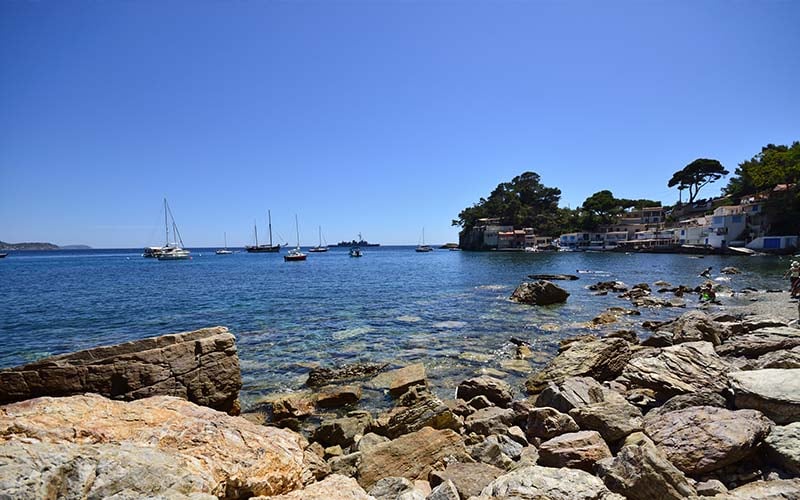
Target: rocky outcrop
[
  {"x": 200, "y": 366},
  {"x": 759, "y": 342},
  {"x": 150, "y": 447},
  {"x": 599, "y": 358},
  {"x": 766, "y": 490},
  {"x": 336, "y": 396},
  {"x": 702, "y": 398},
  {"x": 577, "y": 450},
  {"x": 774, "y": 392},
  {"x": 546, "y": 482},
  {"x": 412, "y": 456},
  {"x": 342, "y": 431},
  {"x": 547, "y": 423},
  {"x": 573, "y": 392},
  {"x": 539, "y": 293},
  {"x": 468, "y": 479},
  {"x": 613, "y": 419},
  {"x": 696, "y": 326},
  {"x": 333, "y": 487},
  {"x": 704, "y": 438},
  {"x": 495, "y": 390},
  {"x": 402, "y": 379},
  {"x": 642, "y": 472},
  {"x": 423, "y": 412},
  {"x": 688, "y": 367},
  {"x": 783, "y": 447}
]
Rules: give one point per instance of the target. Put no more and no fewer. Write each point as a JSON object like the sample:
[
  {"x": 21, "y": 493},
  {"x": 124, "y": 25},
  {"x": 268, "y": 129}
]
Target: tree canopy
[
  {"x": 696, "y": 175},
  {"x": 772, "y": 166},
  {"x": 523, "y": 202}
]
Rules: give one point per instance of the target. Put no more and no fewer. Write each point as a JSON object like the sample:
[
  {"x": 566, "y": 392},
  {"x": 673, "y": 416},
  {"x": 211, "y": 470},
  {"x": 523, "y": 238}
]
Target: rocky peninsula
[{"x": 707, "y": 404}]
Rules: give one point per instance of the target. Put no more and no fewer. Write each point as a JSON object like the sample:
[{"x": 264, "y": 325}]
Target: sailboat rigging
[
  {"x": 224, "y": 251},
  {"x": 172, "y": 250},
  {"x": 295, "y": 254},
  {"x": 423, "y": 247},
  {"x": 263, "y": 248},
  {"x": 319, "y": 248}
]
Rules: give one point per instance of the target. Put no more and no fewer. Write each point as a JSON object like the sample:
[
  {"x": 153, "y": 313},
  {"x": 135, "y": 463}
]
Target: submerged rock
[
  {"x": 318, "y": 377},
  {"x": 200, "y": 366},
  {"x": 553, "y": 277},
  {"x": 539, "y": 293}
]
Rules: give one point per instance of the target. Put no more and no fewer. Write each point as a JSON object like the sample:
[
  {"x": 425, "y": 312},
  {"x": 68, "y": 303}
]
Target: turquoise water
[{"x": 447, "y": 309}]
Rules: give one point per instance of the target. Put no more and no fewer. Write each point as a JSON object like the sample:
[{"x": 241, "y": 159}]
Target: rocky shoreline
[{"x": 705, "y": 405}]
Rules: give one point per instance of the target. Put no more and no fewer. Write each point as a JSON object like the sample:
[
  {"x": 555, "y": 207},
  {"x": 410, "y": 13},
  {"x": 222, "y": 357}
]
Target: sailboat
[
  {"x": 224, "y": 251},
  {"x": 423, "y": 247},
  {"x": 295, "y": 254},
  {"x": 264, "y": 248},
  {"x": 319, "y": 248},
  {"x": 171, "y": 250}
]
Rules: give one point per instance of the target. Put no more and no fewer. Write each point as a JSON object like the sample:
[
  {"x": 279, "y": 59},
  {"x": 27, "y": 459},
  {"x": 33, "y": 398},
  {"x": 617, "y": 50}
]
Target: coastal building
[{"x": 693, "y": 231}]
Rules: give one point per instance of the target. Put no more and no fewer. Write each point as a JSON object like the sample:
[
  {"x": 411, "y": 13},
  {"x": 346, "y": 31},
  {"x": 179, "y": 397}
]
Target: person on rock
[{"x": 794, "y": 275}]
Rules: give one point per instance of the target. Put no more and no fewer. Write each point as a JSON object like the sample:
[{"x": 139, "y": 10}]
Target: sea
[{"x": 449, "y": 310}]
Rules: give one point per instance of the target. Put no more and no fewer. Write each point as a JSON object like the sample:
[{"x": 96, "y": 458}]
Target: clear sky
[{"x": 379, "y": 117}]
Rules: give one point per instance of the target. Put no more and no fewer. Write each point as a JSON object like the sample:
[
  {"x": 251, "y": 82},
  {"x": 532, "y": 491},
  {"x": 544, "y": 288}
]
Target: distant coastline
[{"x": 40, "y": 246}]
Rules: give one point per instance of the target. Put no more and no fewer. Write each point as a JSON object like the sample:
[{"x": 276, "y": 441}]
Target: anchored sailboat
[
  {"x": 423, "y": 247},
  {"x": 295, "y": 254},
  {"x": 319, "y": 248},
  {"x": 172, "y": 250},
  {"x": 224, "y": 251},
  {"x": 264, "y": 248}
]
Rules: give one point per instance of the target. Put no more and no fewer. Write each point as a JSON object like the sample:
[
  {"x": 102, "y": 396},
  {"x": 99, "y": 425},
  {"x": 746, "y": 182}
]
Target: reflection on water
[{"x": 449, "y": 310}]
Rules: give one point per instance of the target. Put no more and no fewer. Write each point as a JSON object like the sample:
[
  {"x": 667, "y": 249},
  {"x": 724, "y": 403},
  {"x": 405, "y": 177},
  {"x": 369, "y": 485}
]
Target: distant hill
[{"x": 39, "y": 246}]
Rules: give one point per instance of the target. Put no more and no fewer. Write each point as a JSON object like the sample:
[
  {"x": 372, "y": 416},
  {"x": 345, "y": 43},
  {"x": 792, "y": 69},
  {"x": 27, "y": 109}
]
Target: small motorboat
[{"x": 3, "y": 255}]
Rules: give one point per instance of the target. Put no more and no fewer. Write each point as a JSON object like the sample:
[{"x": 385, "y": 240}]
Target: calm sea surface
[{"x": 449, "y": 310}]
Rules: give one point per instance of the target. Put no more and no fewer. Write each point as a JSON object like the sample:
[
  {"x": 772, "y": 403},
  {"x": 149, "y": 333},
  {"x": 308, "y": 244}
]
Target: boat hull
[
  {"x": 263, "y": 249},
  {"x": 294, "y": 258},
  {"x": 318, "y": 249}
]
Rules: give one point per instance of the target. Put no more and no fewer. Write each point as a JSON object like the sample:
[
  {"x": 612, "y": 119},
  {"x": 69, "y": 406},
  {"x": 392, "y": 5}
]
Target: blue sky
[{"x": 379, "y": 117}]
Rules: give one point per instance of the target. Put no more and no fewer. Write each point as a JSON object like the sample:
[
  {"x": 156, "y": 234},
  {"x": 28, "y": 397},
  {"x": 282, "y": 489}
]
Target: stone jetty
[{"x": 711, "y": 408}]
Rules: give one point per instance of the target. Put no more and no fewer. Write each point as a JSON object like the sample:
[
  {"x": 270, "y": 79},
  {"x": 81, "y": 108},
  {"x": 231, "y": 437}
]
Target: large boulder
[
  {"x": 599, "y": 358},
  {"x": 573, "y": 392},
  {"x": 547, "y": 423},
  {"x": 333, "y": 487},
  {"x": 490, "y": 420},
  {"x": 780, "y": 489},
  {"x": 539, "y": 293},
  {"x": 774, "y": 392},
  {"x": 577, "y": 450},
  {"x": 759, "y": 342},
  {"x": 681, "y": 401},
  {"x": 536, "y": 482},
  {"x": 688, "y": 367},
  {"x": 342, "y": 431},
  {"x": 642, "y": 472},
  {"x": 201, "y": 366},
  {"x": 704, "y": 438},
  {"x": 696, "y": 326},
  {"x": 497, "y": 391},
  {"x": 427, "y": 411},
  {"x": 468, "y": 479},
  {"x": 412, "y": 456},
  {"x": 783, "y": 447},
  {"x": 613, "y": 419},
  {"x": 148, "y": 447}
]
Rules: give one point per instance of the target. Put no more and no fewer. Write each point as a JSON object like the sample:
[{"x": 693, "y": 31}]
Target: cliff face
[{"x": 471, "y": 239}]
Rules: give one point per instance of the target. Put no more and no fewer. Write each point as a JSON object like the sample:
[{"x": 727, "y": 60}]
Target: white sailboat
[
  {"x": 355, "y": 250},
  {"x": 224, "y": 251},
  {"x": 295, "y": 254},
  {"x": 319, "y": 248},
  {"x": 423, "y": 247},
  {"x": 172, "y": 250}
]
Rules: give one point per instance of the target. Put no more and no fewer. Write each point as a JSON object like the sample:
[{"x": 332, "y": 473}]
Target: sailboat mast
[
  {"x": 269, "y": 218},
  {"x": 255, "y": 228},
  {"x": 166, "y": 225},
  {"x": 320, "y": 236},
  {"x": 297, "y": 228},
  {"x": 225, "y": 235}
]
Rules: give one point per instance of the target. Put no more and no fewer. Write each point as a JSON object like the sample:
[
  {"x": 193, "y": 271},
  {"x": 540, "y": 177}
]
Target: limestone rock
[
  {"x": 537, "y": 482},
  {"x": 334, "y": 487},
  {"x": 642, "y": 472},
  {"x": 783, "y": 447},
  {"x": 705, "y": 438},
  {"x": 577, "y": 450},
  {"x": 613, "y": 419},
  {"x": 573, "y": 392},
  {"x": 702, "y": 398},
  {"x": 468, "y": 479},
  {"x": 237, "y": 457},
  {"x": 341, "y": 431},
  {"x": 425, "y": 412},
  {"x": 547, "y": 423},
  {"x": 490, "y": 420},
  {"x": 780, "y": 489},
  {"x": 688, "y": 367},
  {"x": 539, "y": 293},
  {"x": 758, "y": 342},
  {"x": 318, "y": 377},
  {"x": 201, "y": 366},
  {"x": 337, "y": 396},
  {"x": 495, "y": 390},
  {"x": 774, "y": 392},
  {"x": 411, "y": 456},
  {"x": 601, "y": 359},
  {"x": 445, "y": 491}
]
